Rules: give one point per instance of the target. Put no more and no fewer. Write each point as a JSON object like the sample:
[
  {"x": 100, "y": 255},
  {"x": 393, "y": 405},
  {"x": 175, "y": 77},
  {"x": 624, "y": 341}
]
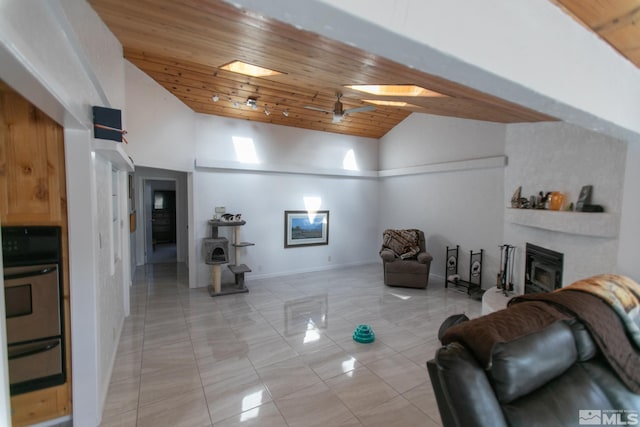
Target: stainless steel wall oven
[{"x": 33, "y": 291}]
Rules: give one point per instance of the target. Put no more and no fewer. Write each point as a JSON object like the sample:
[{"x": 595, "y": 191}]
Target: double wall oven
[{"x": 32, "y": 258}]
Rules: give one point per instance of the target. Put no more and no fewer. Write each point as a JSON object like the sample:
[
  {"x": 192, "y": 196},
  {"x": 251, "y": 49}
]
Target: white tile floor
[{"x": 280, "y": 355}]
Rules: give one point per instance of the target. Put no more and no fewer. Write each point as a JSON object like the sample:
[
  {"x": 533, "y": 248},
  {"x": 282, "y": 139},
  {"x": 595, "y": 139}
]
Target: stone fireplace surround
[{"x": 557, "y": 156}]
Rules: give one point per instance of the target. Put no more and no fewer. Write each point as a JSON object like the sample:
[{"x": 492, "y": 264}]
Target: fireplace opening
[
  {"x": 543, "y": 269},
  {"x": 215, "y": 250}
]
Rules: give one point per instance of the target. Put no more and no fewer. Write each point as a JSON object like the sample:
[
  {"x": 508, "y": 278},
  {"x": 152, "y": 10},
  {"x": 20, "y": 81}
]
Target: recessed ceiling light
[
  {"x": 249, "y": 69},
  {"x": 395, "y": 90}
]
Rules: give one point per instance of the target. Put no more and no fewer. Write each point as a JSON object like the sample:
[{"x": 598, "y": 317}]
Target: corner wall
[{"x": 460, "y": 206}]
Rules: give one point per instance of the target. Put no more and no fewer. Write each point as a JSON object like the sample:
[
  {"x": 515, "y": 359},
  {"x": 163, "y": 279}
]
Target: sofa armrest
[
  {"x": 424, "y": 257},
  {"x": 387, "y": 255},
  {"x": 462, "y": 389}
]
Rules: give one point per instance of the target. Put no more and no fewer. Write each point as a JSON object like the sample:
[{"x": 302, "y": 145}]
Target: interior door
[
  {"x": 163, "y": 217},
  {"x": 147, "y": 221}
]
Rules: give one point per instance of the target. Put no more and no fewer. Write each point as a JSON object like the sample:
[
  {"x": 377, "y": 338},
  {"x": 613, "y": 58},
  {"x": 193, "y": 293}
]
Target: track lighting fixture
[
  {"x": 253, "y": 103},
  {"x": 285, "y": 113},
  {"x": 266, "y": 110},
  {"x": 215, "y": 98}
]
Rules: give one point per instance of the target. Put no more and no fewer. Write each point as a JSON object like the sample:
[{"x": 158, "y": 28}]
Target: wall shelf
[
  {"x": 591, "y": 224},
  {"x": 114, "y": 152}
]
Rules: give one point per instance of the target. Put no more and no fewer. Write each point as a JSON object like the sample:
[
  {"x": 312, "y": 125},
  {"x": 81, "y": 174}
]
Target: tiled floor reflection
[{"x": 280, "y": 355}]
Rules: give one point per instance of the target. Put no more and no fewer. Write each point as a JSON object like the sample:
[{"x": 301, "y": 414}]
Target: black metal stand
[
  {"x": 474, "y": 284},
  {"x": 505, "y": 277}
]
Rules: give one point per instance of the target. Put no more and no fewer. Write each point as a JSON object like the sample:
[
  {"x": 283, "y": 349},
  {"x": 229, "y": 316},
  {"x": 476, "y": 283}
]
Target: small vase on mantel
[{"x": 556, "y": 201}]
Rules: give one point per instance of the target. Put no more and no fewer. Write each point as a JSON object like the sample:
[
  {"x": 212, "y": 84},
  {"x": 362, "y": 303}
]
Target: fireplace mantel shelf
[{"x": 592, "y": 224}]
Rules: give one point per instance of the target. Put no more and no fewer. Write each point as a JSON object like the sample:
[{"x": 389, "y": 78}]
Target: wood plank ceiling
[
  {"x": 182, "y": 44},
  {"x": 616, "y": 21}
]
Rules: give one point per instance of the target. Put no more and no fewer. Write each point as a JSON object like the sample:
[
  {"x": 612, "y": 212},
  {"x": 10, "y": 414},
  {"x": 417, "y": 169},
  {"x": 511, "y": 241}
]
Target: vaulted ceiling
[{"x": 182, "y": 44}]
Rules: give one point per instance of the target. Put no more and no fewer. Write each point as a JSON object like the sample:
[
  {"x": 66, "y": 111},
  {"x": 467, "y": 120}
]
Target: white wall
[
  {"x": 281, "y": 146},
  {"x": 629, "y": 225},
  {"x": 262, "y": 200},
  {"x": 109, "y": 275},
  {"x": 562, "y": 157},
  {"x": 161, "y": 131},
  {"x": 460, "y": 207}
]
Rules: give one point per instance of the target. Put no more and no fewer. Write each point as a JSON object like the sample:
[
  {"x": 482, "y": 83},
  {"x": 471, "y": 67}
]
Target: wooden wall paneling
[
  {"x": 33, "y": 164},
  {"x": 33, "y": 192},
  {"x": 40, "y": 405}
]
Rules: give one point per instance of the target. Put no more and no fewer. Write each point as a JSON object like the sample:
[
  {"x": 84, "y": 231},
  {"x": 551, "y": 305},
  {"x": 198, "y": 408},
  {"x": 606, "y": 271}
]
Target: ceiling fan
[{"x": 338, "y": 112}]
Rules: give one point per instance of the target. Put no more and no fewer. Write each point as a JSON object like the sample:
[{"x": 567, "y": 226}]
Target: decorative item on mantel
[
  {"x": 543, "y": 199},
  {"x": 517, "y": 201},
  {"x": 556, "y": 201},
  {"x": 584, "y": 201}
]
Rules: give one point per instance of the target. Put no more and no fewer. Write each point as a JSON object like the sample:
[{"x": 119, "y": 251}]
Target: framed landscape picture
[{"x": 306, "y": 228}]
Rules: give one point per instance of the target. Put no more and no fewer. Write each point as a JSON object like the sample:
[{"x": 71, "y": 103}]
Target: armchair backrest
[{"x": 404, "y": 241}]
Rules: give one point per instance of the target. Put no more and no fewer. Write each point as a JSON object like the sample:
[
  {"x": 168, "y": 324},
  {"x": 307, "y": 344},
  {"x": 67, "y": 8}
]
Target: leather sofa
[
  {"x": 405, "y": 263},
  {"x": 549, "y": 376}
]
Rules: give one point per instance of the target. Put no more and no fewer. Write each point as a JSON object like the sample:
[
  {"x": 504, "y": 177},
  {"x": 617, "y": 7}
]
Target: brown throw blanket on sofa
[
  {"x": 534, "y": 312},
  {"x": 623, "y": 296}
]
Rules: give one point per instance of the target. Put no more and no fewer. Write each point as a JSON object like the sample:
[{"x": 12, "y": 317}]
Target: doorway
[{"x": 161, "y": 227}]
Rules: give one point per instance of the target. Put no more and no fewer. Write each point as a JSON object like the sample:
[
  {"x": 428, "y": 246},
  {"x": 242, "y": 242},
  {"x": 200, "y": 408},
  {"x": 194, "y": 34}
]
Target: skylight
[
  {"x": 249, "y": 69},
  {"x": 389, "y": 103},
  {"x": 395, "y": 90}
]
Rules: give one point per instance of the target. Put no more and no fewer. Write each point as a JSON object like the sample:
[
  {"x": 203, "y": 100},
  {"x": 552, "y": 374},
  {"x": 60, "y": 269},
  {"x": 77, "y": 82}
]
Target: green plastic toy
[{"x": 364, "y": 334}]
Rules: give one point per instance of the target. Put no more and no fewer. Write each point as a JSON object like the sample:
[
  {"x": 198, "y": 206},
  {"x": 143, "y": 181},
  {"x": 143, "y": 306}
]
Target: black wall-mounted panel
[{"x": 108, "y": 117}]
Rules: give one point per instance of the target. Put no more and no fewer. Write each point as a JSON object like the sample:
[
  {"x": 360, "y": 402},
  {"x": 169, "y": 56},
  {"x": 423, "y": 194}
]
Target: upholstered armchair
[{"x": 405, "y": 260}]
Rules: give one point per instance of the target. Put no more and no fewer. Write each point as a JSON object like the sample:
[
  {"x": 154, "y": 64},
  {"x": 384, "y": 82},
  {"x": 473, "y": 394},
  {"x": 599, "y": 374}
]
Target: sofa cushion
[
  {"x": 408, "y": 266},
  {"x": 524, "y": 364},
  {"x": 559, "y": 402}
]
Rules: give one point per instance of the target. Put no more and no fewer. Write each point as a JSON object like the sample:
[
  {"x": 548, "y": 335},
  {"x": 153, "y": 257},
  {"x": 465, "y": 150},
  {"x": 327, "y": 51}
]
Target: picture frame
[
  {"x": 306, "y": 228},
  {"x": 585, "y": 197},
  {"x": 132, "y": 222},
  {"x": 132, "y": 195}
]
